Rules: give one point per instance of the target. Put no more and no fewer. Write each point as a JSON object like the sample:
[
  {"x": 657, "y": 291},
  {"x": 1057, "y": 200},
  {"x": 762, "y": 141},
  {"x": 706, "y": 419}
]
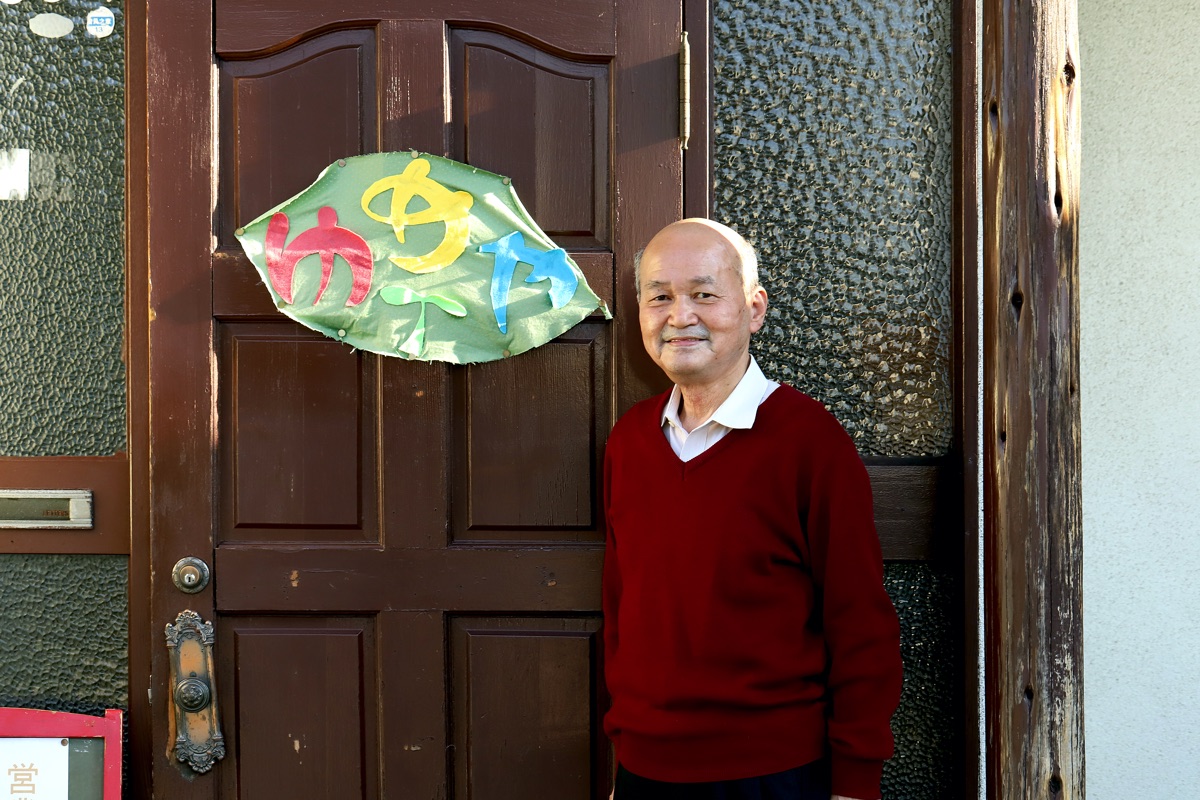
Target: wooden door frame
[
  {"x": 177, "y": 55},
  {"x": 1026, "y": 48}
]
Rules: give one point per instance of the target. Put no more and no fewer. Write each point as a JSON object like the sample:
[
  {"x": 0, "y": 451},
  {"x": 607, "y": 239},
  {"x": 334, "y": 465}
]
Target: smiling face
[{"x": 695, "y": 313}]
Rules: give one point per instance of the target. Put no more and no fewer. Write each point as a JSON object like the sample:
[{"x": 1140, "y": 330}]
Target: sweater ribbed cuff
[{"x": 856, "y": 778}]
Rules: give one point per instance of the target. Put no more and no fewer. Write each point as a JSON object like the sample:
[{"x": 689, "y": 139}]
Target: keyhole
[{"x": 190, "y": 575}]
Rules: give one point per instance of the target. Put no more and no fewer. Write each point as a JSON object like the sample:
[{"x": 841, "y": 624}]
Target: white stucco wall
[{"x": 1140, "y": 364}]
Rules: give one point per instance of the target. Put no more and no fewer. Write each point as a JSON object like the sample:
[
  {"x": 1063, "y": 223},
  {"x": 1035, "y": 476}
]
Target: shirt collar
[{"x": 739, "y": 409}]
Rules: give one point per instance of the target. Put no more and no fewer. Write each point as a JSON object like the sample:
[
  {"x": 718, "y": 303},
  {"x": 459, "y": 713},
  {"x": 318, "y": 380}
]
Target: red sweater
[{"x": 746, "y": 627}]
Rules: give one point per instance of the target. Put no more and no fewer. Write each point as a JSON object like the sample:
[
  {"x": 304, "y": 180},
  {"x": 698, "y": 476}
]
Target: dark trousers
[{"x": 810, "y": 782}]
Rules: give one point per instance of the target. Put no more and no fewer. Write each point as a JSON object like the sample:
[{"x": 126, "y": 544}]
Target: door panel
[
  {"x": 540, "y": 119},
  {"x": 529, "y": 674},
  {"x": 286, "y": 393},
  {"x": 529, "y": 431},
  {"x": 287, "y": 116},
  {"x": 459, "y": 579},
  {"x": 406, "y": 556},
  {"x": 302, "y": 697}
]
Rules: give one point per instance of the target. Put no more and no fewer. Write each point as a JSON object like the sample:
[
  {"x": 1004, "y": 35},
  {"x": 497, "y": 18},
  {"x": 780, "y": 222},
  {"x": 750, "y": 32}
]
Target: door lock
[{"x": 190, "y": 575}]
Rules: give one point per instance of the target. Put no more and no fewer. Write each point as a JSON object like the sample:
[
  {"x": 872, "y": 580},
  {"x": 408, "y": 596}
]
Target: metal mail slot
[{"x": 45, "y": 508}]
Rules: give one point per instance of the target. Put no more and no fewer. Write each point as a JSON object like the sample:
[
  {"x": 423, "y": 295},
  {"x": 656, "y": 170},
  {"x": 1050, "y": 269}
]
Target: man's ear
[{"x": 758, "y": 309}]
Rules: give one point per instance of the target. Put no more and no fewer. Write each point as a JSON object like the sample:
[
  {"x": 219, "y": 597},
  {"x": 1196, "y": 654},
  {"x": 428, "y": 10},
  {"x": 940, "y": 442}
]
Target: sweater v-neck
[{"x": 695, "y": 463}]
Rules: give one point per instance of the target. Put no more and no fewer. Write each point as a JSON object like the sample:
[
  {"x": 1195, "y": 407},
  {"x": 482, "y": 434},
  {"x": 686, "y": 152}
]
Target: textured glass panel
[
  {"x": 62, "y": 128},
  {"x": 929, "y": 723},
  {"x": 64, "y": 632},
  {"x": 832, "y": 153}
]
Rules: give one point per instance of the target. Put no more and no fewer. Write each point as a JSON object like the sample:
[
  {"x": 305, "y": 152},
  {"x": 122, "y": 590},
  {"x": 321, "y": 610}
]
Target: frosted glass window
[
  {"x": 928, "y": 725},
  {"x": 832, "y": 153},
  {"x": 62, "y": 228},
  {"x": 65, "y": 632}
]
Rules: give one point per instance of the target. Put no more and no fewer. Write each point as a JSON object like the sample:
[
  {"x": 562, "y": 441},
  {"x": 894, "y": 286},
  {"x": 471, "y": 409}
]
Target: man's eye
[{"x": 704, "y": 296}]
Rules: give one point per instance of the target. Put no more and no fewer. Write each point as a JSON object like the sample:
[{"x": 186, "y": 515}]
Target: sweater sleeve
[{"x": 861, "y": 629}]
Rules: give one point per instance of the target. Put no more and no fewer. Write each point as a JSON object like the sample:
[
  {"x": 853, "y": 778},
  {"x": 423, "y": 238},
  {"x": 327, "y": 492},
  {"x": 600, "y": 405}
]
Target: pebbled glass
[
  {"x": 62, "y": 232},
  {"x": 928, "y": 725},
  {"x": 832, "y": 155},
  {"x": 65, "y": 632}
]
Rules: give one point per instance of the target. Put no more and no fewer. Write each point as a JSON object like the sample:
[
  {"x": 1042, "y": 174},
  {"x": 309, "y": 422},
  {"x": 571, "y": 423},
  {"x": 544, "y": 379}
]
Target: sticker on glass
[
  {"x": 51, "y": 26},
  {"x": 101, "y": 22},
  {"x": 14, "y": 174}
]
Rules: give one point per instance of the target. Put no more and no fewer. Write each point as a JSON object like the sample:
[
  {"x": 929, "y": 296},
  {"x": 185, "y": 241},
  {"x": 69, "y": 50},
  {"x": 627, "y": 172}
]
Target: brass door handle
[{"x": 196, "y": 738}]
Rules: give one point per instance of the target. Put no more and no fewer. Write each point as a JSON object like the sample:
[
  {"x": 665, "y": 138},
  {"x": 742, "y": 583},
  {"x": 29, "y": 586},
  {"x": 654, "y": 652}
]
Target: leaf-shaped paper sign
[{"x": 417, "y": 256}]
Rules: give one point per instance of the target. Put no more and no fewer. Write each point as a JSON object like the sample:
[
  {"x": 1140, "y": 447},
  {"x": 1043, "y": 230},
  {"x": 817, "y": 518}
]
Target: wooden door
[{"x": 405, "y": 556}]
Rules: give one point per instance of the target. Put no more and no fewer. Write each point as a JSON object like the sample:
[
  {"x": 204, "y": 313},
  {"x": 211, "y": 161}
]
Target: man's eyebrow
[{"x": 703, "y": 280}]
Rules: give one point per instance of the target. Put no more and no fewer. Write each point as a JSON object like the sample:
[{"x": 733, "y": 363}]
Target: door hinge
[{"x": 685, "y": 91}]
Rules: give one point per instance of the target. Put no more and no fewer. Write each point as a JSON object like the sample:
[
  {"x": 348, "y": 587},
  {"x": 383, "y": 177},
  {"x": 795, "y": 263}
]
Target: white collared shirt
[{"x": 738, "y": 411}]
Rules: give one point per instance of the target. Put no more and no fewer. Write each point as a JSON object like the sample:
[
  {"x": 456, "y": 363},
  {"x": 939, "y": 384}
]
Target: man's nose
[{"x": 682, "y": 313}]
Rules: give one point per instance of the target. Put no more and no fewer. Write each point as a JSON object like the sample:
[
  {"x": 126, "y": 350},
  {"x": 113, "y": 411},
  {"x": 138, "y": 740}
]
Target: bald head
[
  {"x": 697, "y": 232},
  {"x": 698, "y": 304}
]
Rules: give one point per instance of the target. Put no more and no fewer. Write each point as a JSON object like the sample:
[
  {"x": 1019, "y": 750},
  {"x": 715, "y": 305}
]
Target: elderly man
[{"x": 751, "y": 651}]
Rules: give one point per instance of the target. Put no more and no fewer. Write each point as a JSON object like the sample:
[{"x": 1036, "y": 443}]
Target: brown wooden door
[{"x": 405, "y": 556}]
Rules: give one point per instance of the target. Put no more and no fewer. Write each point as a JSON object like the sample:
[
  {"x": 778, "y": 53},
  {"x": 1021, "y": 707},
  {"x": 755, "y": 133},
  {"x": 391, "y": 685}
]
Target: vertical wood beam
[{"x": 1032, "y": 495}]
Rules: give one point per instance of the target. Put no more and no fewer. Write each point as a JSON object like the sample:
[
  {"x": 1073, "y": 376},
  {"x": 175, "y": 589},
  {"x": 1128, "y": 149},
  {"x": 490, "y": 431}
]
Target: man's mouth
[{"x": 684, "y": 338}]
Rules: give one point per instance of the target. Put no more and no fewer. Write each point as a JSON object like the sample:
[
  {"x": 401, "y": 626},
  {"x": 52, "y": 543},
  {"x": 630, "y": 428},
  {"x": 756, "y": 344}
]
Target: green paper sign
[{"x": 417, "y": 256}]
